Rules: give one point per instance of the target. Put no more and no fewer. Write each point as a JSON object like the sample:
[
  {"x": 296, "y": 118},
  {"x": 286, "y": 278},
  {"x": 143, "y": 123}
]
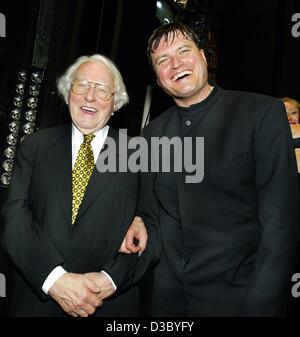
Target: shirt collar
[{"x": 78, "y": 136}]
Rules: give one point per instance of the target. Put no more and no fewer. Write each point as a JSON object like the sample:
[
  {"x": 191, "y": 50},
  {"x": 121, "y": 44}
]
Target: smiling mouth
[
  {"x": 181, "y": 75},
  {"x": 88, "y": 110}
]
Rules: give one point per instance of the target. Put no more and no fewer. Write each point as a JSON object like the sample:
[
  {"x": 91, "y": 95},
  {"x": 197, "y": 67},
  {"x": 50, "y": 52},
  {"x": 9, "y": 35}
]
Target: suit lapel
[{"x": 60, "y": 167}]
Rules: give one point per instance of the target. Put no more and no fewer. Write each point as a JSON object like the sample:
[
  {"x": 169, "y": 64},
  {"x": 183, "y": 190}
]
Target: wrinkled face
[
  {"x": 88, "y": 112},
  {"x": 292, "y": 112},
  {"x": 181, "y": 69}
]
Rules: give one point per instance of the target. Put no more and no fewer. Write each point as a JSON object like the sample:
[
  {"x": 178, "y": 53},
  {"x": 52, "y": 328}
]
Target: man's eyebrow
[
  {"x": 161, "y": 56},
  {"x": 83, "y": 79},
  {"x": 185, "y": 45}
]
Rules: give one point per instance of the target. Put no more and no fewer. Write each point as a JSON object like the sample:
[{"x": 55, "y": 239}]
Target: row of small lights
[{"x": 15, "y": 128}]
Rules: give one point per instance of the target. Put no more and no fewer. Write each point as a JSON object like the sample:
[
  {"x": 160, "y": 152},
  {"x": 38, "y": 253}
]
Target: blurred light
[
  {"x": 28, "y": 128},
  {"x": 20, "y": 88},
  {"x": 8, "y": 165},
  {"x": 9, "y": 152},
  {"x": 16, "y": 114},
  {"x": 30, "y": 115},
  {"x": 36, "y": 77},
  {"x": 164, "y": 12},
  {"x": 32, "y": 102},
  {"x": 18, "y": 101},
  {"x": 34, "y": 90},
  {"x": 22, "y": 76},
  {"x": 13, "y": 127},
  {"x": 12, "y": 139},
  {"x": 6, "y": 178},
  {"x": 22, "y": 119},
  {"x": 181, "y": 2}
]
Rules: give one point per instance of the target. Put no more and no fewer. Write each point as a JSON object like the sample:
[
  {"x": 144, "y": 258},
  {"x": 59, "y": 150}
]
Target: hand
[
  {"x": 136, "y": 237},
  {"x": 76, "y": 294},
  {"x": 103, "y": 283}
]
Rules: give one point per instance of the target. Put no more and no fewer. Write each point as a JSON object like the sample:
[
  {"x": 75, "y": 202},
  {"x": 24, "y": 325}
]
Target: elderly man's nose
[{"x": 90, "y": 95}]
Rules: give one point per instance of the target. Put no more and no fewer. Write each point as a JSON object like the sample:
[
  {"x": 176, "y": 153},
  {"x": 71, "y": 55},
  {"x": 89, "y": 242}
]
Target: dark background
[{"x": 249, "y": 47}]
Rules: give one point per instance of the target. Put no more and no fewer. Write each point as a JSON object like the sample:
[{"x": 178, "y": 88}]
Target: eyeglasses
[{"x": 81, "y": 87}]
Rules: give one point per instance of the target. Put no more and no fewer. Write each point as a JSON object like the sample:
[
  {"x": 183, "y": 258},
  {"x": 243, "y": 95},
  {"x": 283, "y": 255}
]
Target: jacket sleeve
[
  {"x": 25, "y": 241},
  {"x": 148, "y": 210},
  {"x": 276, "y": 182},
  {"x": 127, "y": 270}
]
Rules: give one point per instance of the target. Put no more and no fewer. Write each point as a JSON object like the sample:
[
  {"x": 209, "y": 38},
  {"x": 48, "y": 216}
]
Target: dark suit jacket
[
  {"x": 233, "y": 251},
  {"x": 38, "y": 232}
]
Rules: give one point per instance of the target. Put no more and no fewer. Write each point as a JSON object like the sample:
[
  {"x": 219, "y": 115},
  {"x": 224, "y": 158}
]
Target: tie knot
[{"x": 88, "y": 138}]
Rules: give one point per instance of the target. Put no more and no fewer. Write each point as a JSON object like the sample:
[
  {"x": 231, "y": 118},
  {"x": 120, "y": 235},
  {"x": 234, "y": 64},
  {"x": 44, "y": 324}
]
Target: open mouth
[
  {"x": 88, "y": 110},
  {"x": 181, "y": 75}
]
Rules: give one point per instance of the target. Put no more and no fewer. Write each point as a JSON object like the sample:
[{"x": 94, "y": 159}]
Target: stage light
[
  {"x": 22, "y": 76},
  {"x": 8, "y": 165},
  {"x": 20, "y": 88},
  {"x": 23, "y": 117},
  {"x": 18, "y": 101},
  {"x": 10, "y": 152},
  {"x": 37, "y": 77},
  {"x": 16, "y": 114},
  {"x": 28, "y": 128},
  {"x": 34, "y": 90},
  {"x": 13, "y": 127},
  {"x": 6, "y": 178},
  {"x": 30, "y": 115},
  {"x": 12, "y": 139},
  {"x": 32, "y": 102}
]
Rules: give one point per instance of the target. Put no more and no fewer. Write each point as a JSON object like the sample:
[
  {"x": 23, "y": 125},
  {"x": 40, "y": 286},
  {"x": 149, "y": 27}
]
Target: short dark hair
[{"x": 174, "y": 28}]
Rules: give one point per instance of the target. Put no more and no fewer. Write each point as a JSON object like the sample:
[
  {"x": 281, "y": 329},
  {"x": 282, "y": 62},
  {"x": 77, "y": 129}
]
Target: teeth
[
  {"x": 183, "y": 73},
  {"x": 88, "y": 109}
]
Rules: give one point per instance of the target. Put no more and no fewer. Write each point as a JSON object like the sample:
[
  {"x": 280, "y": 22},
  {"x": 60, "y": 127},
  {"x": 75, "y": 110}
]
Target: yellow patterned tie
[{"x": 81, "y": 173}]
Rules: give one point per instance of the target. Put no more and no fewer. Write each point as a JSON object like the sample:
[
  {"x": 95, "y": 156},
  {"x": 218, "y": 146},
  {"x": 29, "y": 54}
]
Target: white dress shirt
[{"x": 97, "y": 144}]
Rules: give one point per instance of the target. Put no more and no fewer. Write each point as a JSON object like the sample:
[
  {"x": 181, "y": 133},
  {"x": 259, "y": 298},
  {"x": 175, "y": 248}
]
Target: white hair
[{"x": 64, "y": 82}]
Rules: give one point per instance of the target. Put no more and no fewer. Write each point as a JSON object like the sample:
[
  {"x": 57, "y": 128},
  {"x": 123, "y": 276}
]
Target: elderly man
[{"x": 62, "y": 230}]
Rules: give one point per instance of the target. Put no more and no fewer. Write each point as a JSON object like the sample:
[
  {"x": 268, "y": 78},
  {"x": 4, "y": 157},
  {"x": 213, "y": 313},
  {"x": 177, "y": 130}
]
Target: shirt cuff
[
  {"x": 111, "y": 280},
  {"x": 52, "y": 278}
]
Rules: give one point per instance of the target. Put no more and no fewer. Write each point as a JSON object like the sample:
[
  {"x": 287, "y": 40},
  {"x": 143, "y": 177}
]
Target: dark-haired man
[{"x": 228, "y": 242}]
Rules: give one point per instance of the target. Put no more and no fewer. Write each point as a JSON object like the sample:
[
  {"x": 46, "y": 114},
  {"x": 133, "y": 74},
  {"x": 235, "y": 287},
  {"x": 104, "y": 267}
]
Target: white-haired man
[{"x": 64, "y": 220}]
